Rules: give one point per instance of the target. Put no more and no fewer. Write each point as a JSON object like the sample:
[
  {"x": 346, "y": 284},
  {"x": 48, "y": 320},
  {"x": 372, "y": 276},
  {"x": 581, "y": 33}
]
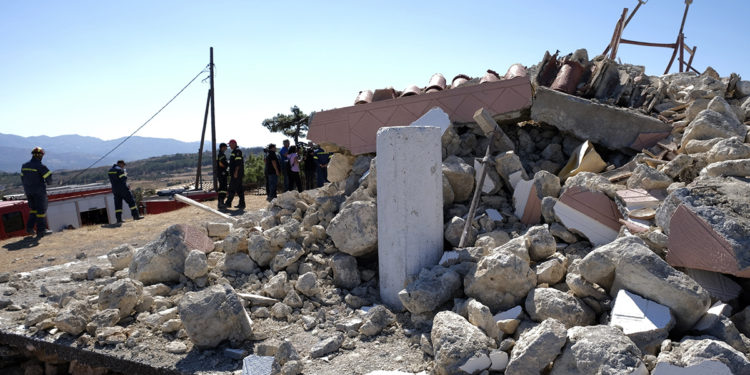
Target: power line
[{"x": 141, "y": 127}]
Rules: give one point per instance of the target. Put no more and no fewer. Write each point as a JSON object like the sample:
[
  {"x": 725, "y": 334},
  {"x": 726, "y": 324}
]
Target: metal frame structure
[{"x": 677, "y": 46}]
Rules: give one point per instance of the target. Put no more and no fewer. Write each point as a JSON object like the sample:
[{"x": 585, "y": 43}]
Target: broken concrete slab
[
  {"x": 455, "y": 341},
  {"x": 536, "y": 348},
  {"x": 509, "y": 320},
  {"x": 434, "y": 117},
  {"x": 717, "y": 121},
  {"x": 713, "y": 314},
  {"x": 591, "y": 214},
  {"x": 612, "y": 127},
  {"x": 508, "y": 166},
  {"x": 706, "y": 367},
  {"x": 645, "y": 322},
  {"x": 528, "y": 195},
  {"x": 707, "y": 226},
  {"x": 599, "y": 350},
  {"x": 696, "y": 350}
]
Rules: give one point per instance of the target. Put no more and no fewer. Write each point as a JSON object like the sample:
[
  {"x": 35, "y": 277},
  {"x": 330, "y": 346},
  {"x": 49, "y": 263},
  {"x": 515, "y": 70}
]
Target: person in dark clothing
[
  {"x": 35, "y": 177},
  {"x": 284, "y": 153},
  {"x": 236, "y": 173},
  {"x": 310, "y": 166},
  {"x": 222, "y": 167},
  {"x": 322, "y": 158},
  {"x": 272, "y": 171},
  {"x": 118, "y": 177}
]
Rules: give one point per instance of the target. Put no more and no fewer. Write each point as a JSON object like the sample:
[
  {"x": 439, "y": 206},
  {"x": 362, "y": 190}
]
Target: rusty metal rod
[
  {"x": 674, "y": 54},
  {"x": 614, "y": 34},
  {"x": 682, "y": 52},
  {"x": 640, "y": 2},
  {"x": 648, "y": 44}
]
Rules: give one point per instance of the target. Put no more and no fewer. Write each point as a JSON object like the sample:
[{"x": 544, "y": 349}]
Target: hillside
[
  {"x": 154, "y": 169},
  {"x": 76, "y": 151}
]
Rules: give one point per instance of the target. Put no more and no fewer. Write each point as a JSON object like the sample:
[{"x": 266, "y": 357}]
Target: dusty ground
[{"x": 20, "y": 254}]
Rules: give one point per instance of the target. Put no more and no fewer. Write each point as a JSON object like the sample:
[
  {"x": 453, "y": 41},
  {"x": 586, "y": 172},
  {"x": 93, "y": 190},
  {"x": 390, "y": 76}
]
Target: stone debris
[{"x": 612, "y": 221}]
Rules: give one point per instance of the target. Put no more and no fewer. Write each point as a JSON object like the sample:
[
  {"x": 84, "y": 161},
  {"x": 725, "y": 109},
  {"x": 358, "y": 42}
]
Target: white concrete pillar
[{"x": 410, "y": 205}]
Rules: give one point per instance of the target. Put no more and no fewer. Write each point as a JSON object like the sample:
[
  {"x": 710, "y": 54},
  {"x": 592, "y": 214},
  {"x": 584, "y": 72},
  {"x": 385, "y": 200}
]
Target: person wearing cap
[
  {"x": 272, "y": 172},
  {"x": 222, "y": 166},
  {"x": 118, "y": 177},
  {"x": 310, "y": 166},
  {"x": 236, "y": 173},
  {"x": 35, "y": 177}
]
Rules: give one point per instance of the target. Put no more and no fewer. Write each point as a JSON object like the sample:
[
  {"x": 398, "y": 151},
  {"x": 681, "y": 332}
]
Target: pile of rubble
[{"x": 611, "y": 236}]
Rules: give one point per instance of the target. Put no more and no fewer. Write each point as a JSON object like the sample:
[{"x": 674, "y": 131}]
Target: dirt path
[{"x": 20, "y": 254}]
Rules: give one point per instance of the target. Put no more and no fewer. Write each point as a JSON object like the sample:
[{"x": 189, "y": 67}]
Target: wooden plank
[{"x": 203, "y": 207}]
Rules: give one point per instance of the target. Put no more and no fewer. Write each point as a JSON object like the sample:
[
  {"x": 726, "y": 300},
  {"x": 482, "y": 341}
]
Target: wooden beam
[
  {"x": 648, "y": 44},
  {"x": 203, "y": 207}
]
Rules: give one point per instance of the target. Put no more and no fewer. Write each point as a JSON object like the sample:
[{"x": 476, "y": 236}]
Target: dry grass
[{"x": 25, "y": 253}]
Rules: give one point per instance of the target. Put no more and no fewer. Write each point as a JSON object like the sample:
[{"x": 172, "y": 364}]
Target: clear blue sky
[{"x": 101, "y": 68}]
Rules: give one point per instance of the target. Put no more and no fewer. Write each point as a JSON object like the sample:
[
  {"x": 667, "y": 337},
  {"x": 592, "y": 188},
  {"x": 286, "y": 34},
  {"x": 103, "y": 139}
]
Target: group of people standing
[
  {"x": 234, "y": 170},
  {"x": 288, "y": 164}
]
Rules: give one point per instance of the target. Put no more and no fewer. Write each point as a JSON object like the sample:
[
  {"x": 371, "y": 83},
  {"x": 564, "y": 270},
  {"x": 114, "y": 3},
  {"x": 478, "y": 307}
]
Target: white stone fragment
[
  {"x": 635, "y": 314},
  {"x": 475, "y": 364},
  {"x": 499, "y": 360},
  {"x": 434, "y": 117},
  {"x": 713, "y": 314},
  {"x": 712, "y": 367},
  {"x": 488, "y": 184},
  {"x": 494, "y": 214}
]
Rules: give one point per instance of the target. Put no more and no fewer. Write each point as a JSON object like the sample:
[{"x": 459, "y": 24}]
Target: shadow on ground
[{"x": 25, "y": 243}]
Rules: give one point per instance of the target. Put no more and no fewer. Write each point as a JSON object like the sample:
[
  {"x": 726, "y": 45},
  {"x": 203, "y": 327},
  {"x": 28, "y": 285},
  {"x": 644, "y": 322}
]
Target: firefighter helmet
[{"x": 37, "y": 151}]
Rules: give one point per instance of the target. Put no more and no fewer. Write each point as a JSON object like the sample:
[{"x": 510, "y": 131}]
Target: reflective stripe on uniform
[
  {"x": 112, "y": 172},
  {"x": 47, "y": 174},
  {"x": 41, "y": 215},
  {"x": 118, "y": 210},
  {"x": 133, "y": 208},
  {"x": 32, "y": 211},
  {"x": 29, "y": 169},
  {"x": 222, "y": 192},
  {"x": 238, "y": 158}
]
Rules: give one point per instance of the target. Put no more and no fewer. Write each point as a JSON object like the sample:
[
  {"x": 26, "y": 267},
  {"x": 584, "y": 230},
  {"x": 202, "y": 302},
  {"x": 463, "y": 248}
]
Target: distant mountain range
[{"x": 77, "y": 152}]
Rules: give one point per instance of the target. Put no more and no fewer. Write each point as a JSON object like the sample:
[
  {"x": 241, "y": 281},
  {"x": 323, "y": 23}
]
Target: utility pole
[
  {"x": 198, "y": 177},
  {"x": 213, "y": 120}
]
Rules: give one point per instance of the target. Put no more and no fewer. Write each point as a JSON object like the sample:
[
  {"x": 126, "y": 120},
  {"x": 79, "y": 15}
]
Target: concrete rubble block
[
  {"x": 692, "y": 351},
  {"x": 599, "y": 349},
  {"x": 277, "y": 236},
  {"x": 354, "y": 229},
  {"x": 500, "y": 280},
  {"x": 528, "y": 195},
  {"x": 455, "y": 341},
  {"x": 491, "y": 240},
  {"x": 327, "y": 345},
  {"x": 476, "y": 364},
  {"x": 545, "y": 303},
  {"x": 714, "y": 314},
  {"x": 339, "y": 167},
  {"x": 729, "y": 149},
  {"x": 645, "y": 322},
  {"x": 433, "y": 287},
  {"x": 507, "y": 321},
  {"x": 584, "y": 119},
  {"x": 121, "y": 256},
  {"x": 448, "y": 195},
  {"x": 307, "y": 284},
  {"x": 740, "y": 168},
  {"x": 551, "y": 271},
  {"x": 508, "y": 166},
  {"x": 582, "y": 288},
  {"x": 123, "y": 295},
  {"x": 542, "y": 243},
  {"x": 723, "y": 329},
  {"x": 719, "y": 286},
  {"x": 239, "y": 262},
  {"x": 627, "y": 263},
  {"x": 742, "y": 321},
  {"x": 281, "y": 311},
  {"x": 213, "y": 315},
  {"x": 536, "y": 348},
  {"x": 218, "y": 230},
  {"x": 276, "y": 286},
  {"x": 196, "y": 264},
  {"x": 163, "y": 260},
  {"x": 706, "y": 235},
  {"x": 698, "y": 147},
  {"x": 480, "y": 316},
  {"x": 291, "y": 252},
  {"x": 678, "y": 165},
  {"x": 559, "y": 231},
  {"x": 717, "y": 121},
  {"x": 102, "y": 319},
  {"x": 345, "y": 272},
  {"x": 257, "y": 365},
  {"x": 453, "y": 230},
  {"x": 647, "y": 178},
  {"x": 461, "y": 177},
  {"x": 591, "y": 214},
  {"x": 260, "y": 249},
  {"x": 584, "y": 158},
  {"x": 73, "y": 318},
  {"x": 375, "y": 320},
  {"x": 498, "y": 359}
]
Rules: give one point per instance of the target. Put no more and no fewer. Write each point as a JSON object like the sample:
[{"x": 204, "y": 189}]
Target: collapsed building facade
[{"x": 610, "y": 236}]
